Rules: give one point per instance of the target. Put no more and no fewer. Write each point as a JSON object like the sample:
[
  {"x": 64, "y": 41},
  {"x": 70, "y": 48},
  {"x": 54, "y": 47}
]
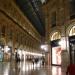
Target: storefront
[
  {"x": 56, "y": 52},
  {"x": 72, "y": 49},
  {"x": 55, "y": 49},
  {"x": 7, "y": 53},
  {"x": 72, "y": 45}
]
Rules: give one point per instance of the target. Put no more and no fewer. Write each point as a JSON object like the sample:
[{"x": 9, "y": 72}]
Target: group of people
[
  {"x": 17, "y": 57},
  {"x": 38, "y": 60}
]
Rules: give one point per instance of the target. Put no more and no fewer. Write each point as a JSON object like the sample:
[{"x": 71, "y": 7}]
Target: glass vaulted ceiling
[{"x": 31, "y": 8}]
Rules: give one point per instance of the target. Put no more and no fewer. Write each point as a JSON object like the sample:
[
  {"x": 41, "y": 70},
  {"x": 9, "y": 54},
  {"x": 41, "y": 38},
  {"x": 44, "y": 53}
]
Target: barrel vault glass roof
[{"x": 31, "y": 8}]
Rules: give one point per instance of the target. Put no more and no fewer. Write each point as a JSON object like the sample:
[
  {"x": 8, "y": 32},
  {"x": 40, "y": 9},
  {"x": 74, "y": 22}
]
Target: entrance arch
[
  {"x": 55, "y": 36},
  {"x": 56, "y": 48},
  {"x": 72, "y": 31}
]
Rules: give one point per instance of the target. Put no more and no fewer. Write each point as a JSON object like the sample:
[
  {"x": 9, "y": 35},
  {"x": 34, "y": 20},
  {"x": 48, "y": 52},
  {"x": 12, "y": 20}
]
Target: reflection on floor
[{"x": 25, "y": 68}]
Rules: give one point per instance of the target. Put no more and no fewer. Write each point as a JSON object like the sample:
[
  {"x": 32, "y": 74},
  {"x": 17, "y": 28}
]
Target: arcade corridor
[{"x": 34, "y": 31}]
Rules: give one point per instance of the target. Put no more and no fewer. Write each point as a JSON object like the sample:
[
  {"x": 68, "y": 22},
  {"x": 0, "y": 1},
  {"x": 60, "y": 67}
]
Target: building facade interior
[{"x": 37, "y": 37}]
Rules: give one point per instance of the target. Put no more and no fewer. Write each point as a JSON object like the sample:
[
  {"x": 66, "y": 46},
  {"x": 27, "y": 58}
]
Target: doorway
[
  {"x": 72, "y": 49},
  {"x": 56, "y": 52}
]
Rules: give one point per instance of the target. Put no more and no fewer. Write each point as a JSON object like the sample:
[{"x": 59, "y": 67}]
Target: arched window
[
  {"x": 72, "y": 31},
  {"x": 55, "y": 36}
]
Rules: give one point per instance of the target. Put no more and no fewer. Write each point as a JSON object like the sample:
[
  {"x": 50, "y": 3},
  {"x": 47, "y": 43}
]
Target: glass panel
[
  {"x": 56, "y": 55},
  {"x": 72, "y": 49}
]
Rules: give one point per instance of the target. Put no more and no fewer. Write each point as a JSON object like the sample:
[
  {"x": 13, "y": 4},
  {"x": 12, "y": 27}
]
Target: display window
[
  {"x": 72, "y": 49},
  {"x": 56, "y": 55},
  {"x": 56, "y": 52}
]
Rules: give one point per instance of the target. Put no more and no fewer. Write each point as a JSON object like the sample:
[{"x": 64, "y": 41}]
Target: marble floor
[{"x": 25, "y": 68}]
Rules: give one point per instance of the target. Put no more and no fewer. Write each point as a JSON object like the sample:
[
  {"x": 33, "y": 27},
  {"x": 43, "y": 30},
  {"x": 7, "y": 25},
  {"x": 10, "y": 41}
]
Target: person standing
[{"x": 17, "y": 57}]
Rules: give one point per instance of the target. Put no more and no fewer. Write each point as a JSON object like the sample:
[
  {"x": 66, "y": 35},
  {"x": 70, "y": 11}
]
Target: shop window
[
  {"x": 72, "y": 44},
  {"x": 53, "y": 19}
]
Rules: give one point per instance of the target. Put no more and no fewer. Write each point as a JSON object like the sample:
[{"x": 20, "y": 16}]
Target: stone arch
[
  {"x": 70, "y": 29},
  {"x": 56, "y": 35}
]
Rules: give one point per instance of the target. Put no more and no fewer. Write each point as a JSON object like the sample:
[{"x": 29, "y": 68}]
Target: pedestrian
[
  {"x": 33, "y": 62},
  {"x": 16, "y": 59},
  {"x": 43, "y": 61},
  {"x": 22, "y": 58},
  {"x": 18, "y": 56}
]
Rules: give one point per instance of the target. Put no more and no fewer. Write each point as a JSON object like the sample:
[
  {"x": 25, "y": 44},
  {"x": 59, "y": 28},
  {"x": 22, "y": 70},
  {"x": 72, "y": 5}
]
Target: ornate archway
[
  {"x": 72, "y": 31},
  {"x": 56, "y": 48},
  {"x": 55, "y": 36}
]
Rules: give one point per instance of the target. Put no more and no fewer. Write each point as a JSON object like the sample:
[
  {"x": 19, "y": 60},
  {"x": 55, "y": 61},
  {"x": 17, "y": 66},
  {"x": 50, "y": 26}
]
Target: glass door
[
  {"x": 56, "y": 55},
  {"x": 56, "y": 52},
  {"x": 72, "y": 49}
]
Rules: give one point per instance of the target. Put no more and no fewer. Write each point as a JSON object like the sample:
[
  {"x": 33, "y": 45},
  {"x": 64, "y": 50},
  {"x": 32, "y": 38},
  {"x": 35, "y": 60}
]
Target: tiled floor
[{"x": 24, "y": 68}]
